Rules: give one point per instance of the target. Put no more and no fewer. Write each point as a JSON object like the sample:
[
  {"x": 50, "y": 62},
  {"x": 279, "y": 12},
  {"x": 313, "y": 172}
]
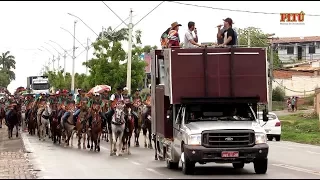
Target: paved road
[{"x": 286, "y": 160}]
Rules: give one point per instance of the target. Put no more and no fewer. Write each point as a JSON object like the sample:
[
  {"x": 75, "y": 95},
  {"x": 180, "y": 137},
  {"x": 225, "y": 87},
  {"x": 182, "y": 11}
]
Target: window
[
  {"x": 40, "y": 86},
  {"x": 290, "y": 50},
  {"x": 312, "y": 49}
]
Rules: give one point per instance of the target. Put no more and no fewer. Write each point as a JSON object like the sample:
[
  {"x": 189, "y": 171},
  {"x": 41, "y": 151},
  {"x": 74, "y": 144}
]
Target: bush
[
  {"x": 278, "y": 94},
  {"x": 309, "y": 100}
]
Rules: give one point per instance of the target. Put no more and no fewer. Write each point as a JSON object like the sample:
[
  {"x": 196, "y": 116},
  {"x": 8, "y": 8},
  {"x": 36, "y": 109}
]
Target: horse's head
[
  {"x": 118, "y": 116},
  {"x": 83, "y": 115},
  {"x": 48, "y": 108}
]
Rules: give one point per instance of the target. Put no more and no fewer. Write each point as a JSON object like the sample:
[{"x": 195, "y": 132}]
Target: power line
[
  {"x": 234, "y": 10},
  {"x": 115, "y": 13},
  {"x": 149, "y": 12}
]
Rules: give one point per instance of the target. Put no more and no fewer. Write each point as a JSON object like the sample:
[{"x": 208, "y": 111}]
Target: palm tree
[{"x": 8, "y": 62}]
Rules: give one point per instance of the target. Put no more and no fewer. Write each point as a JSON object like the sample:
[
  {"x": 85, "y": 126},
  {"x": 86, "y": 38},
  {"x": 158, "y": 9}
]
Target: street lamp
[
  {"x": 59, "y": 54},
  {"x": 64, "y": 57}
]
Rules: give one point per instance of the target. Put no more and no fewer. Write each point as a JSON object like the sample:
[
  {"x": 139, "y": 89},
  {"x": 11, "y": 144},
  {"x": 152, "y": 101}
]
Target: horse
[
  {"x": 55, "y": 124},
  {"x": 31, "y": 116},
  {"x": 82, "y": 126},
  {"x": 11, "y": 118},
  {"x": 138, "y": 108},
  {"x": 117, "y": 128},
  {"x": 69, "y": 127},
  {"x": 43, "y": 120},
  {"x": 2, "y": 115},
  {"x": 146, "y": 126},
  {"x": 126, "y": 139},
  {"x": 96, "y": 128}
]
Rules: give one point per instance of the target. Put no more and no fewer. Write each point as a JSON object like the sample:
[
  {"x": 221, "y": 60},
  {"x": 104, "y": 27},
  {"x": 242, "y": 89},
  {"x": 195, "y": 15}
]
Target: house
[
  {"x": 298, "y": 81},
  {"x": 291, "y": 49}
]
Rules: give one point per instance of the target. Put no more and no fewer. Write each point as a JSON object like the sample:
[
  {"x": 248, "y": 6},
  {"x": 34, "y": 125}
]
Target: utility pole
[
  {"x": 64, "y": 63},
  {"x": 271, "y": 77},
  {"x": 73, "y": 56},
  {"x": 249, "y": 37},
  {"x": 53, "y": 60},
  {"x": 129, "y": 53},
  {"x": 87, "y": 55},
  {"x": 58, "y": 63}
]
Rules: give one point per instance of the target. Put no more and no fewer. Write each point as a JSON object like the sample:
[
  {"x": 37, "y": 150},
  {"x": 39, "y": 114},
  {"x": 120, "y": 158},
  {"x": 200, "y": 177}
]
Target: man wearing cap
[
  {"x": 189, "y": 40},
  {"x": 227, "y": 34},
  {"x": 173, "y": 36}
]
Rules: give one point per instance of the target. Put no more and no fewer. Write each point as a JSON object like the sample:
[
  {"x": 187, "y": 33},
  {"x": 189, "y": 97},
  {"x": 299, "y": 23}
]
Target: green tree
[
  {"x": 4, "y": 79},
  {"x": 7, "y": 63},
  {"x": 109, "y": 64},
  {"x": 258, "y": 39}
]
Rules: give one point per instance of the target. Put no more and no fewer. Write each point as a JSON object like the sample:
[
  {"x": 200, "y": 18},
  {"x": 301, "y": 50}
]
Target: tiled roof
[
  {"x": 297, "y": 39},
  {"x": 287, "y": 74}
]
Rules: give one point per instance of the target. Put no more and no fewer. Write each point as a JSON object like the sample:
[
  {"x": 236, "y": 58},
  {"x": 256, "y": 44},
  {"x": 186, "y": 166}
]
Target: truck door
[{"x": 178, "y": 132}]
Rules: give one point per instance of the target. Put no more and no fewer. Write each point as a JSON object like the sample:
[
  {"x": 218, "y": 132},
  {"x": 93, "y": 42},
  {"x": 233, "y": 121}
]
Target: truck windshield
[
  {"x": 41, "y": 86},
  {"x": 221, "y": 112}
]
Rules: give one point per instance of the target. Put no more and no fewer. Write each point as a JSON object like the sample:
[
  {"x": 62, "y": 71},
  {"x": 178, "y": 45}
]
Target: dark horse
[
  {"x": 2, "y": 115},
  {"x": 31, "y": 116},
  {"x": 12, "y": 120},
  {"x": 55, "y": 124},
  {"x": 130, "y": 125},
  {"x": 146, "y": 127}
]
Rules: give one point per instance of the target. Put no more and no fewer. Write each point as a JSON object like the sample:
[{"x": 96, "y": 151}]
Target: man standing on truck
[
  {"x": 226, "y": 32},
  {"x": 189, "y": 40}
]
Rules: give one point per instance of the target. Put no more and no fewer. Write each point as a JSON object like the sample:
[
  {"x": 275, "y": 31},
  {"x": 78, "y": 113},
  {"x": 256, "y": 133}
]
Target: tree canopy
[
  {"x": 7, "y": 64},
  {"x": 258, "y": 39},
  {"x": 108, "y": 66}
]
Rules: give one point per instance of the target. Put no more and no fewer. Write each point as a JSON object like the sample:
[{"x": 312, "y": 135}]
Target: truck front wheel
[
  {"x": 172, "y": 165},
  {"x": 260, "y": 166},
  {"x": 187, "y": 165}
]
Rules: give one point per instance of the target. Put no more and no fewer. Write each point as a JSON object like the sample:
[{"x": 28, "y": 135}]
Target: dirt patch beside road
[{"x": 13, "y": 159}]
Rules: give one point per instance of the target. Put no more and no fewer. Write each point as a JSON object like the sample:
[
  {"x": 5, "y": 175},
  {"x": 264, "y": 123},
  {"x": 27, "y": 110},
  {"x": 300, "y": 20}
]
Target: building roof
[
  {"x": 296, "y": 39},
  {"x": 287, "y": 74}
]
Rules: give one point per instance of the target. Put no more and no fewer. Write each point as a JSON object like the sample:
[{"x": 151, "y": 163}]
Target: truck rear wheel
[
  {"x": 260, "y": 166},
  {"x": 187, "y": 166},
  {"x": 172, "y": 165},
  {"x": 238, "y": 165}
]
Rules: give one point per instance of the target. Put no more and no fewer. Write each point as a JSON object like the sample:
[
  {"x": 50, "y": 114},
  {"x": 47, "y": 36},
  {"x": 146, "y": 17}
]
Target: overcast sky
[{"x": 26, "y": 26}]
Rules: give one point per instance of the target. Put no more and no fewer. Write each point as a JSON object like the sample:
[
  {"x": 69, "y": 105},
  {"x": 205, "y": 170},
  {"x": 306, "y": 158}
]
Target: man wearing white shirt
[{"x": 189, "y": 40}]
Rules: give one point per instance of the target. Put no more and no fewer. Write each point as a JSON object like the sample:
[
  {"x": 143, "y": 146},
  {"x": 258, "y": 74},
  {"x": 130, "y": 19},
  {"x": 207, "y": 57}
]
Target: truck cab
[{"x": 205, "y": 104}]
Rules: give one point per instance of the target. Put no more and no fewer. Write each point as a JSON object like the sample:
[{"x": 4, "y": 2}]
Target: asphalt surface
[{"x": 286, "y": 160}]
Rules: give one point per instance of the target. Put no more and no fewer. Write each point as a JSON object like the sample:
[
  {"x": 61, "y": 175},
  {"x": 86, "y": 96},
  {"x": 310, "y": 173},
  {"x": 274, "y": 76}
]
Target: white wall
[
  {"x": 298, "y": 83},
  {"x": 284, "y": 57}
]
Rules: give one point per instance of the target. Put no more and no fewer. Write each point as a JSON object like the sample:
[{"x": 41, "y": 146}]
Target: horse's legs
[
  {"x": 144, "y": 131},
  {"x": 128, "y": 144},
  {"x": 98, "y": 146},
  {"x": 88, "y": 140},
  {"x": 72, "y": 136},
  {"x": 150, "y": 136},
  {"x": 84, "y": 140},
  {"x": 79, "y": 139},
  {"x": 120, "y": 144},
  {"x": 17, "y": 130}
]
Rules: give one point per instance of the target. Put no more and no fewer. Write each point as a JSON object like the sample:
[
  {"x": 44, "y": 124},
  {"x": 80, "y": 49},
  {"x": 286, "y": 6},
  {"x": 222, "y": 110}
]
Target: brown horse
[
  {"x": 82, "y": 126},
  {"x": 55, "y": 126},
  {"x": 96, "y": 128}
]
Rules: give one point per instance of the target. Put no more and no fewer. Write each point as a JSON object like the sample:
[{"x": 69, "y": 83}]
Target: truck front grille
[{"x": 228, "y": 138}]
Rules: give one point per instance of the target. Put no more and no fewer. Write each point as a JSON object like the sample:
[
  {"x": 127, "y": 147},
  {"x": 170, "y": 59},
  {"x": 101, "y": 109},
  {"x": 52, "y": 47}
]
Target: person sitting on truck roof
[
  {"x": 189, "y": 40},
  {"x": 229, "y": 35},
  {"x": 164, "y": 38},
  {"x": 173, "y": 36}
]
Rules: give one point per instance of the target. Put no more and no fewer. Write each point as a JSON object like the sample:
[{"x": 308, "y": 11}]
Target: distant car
[{"x": 272, "y": 126}]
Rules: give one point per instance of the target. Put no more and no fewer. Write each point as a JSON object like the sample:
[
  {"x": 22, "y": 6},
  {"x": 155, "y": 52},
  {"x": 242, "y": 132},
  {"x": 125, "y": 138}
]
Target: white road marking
[
  {"x": 126, "y": 158},
  {"x": 298, "y": 169},
  {"x": 104, "y": 148},
  {"x": 29, "y": 148},
  {"x": 136, "y": 163},
  {"x": 313, "y": 152},
  {"x": 154, "y": 171}
]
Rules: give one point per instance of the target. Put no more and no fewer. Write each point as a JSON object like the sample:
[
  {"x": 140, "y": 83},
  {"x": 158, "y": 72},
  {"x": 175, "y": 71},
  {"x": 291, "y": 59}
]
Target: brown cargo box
[{"x": 191, "y": 73}]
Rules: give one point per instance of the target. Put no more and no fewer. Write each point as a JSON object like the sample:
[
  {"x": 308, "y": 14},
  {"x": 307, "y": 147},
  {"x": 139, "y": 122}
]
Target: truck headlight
[
  {"x": 194, "y": 139},
  {"x": 261, "y": 138}
]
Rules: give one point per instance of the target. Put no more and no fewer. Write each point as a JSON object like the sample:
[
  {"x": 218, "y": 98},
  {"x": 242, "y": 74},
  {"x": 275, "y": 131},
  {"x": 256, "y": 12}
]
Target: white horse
[
  {"x": 44, "y": 121},
  {"x": 117, "y": 128}
]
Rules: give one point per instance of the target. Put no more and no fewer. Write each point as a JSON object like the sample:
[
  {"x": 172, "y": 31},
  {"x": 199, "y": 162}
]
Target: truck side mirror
[{"x": 265, "y": 115}]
